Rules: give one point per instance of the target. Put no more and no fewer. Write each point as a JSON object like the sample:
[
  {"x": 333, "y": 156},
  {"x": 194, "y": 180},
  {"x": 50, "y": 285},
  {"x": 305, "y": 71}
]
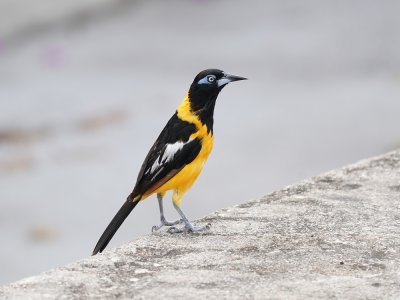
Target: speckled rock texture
[{"x": 335, "y": 236}]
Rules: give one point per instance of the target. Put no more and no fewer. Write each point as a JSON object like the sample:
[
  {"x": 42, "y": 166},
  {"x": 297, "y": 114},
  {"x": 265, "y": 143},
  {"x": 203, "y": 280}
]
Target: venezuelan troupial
[{"x": 177, "y": 157}]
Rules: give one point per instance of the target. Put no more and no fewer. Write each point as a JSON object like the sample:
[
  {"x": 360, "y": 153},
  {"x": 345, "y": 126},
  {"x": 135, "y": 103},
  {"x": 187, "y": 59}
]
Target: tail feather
[{"x": 115, "y": 223}]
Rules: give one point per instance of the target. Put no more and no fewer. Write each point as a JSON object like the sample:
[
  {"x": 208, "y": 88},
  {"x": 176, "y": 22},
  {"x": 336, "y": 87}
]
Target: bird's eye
[{"x": 211, "y": 78}]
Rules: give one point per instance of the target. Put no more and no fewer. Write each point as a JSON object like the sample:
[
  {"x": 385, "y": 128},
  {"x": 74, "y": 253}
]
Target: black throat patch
[{"x": 202, "y": 104}]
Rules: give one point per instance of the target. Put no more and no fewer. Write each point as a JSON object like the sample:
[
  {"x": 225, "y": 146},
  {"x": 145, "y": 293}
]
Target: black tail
[{"x": 115, "y": 223}]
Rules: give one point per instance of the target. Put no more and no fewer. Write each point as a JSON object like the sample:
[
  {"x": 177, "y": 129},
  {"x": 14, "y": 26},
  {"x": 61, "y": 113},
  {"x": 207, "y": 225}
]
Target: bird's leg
[
  {"x": 164, "y": 222},
  {"x": 188, "y": 226}
]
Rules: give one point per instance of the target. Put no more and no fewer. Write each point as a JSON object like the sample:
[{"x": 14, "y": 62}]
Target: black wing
[{"x": 170, "y": 153}]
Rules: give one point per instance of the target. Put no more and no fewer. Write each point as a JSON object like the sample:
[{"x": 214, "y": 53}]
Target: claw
[
  {"x": 164, "y": 223},
  {"x": 173, "y": 223},
  {"x": 189, "y": 227},
  {"x": 174, "y": 230},
  {"x": 155, "y": 228}
]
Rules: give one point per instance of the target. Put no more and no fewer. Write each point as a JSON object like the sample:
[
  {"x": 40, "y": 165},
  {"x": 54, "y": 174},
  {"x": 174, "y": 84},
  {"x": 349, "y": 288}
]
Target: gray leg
[
  {"x": 188, "y": 226},
  {"x": 164, "y": 222}
]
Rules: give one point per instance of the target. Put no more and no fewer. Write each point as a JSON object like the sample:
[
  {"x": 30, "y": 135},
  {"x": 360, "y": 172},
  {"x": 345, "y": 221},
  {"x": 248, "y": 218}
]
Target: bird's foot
[
  {"x": 190, "y": 227},
  {"x": 164, "y": 223}
]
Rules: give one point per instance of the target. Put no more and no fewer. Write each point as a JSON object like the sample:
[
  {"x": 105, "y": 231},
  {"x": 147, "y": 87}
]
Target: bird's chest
[
  {"x": 207, "y": 143},
  {"x": 187, "y": 176}
]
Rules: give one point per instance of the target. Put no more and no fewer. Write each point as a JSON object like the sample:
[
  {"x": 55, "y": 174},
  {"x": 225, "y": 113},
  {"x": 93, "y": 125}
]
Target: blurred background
[{"x": 86, "y": 86}]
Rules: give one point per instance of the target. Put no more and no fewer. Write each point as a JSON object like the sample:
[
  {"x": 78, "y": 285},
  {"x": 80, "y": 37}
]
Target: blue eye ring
[{"x": 211, "y": 78}]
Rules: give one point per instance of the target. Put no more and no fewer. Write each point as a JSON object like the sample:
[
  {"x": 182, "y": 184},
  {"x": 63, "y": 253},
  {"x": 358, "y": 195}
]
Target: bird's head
[{"x": 206, "y": 86}]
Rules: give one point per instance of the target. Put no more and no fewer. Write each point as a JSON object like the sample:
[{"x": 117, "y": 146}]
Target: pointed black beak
[
  {"x": 228, "y": 78},
  {"x": 234, "y": 77}
]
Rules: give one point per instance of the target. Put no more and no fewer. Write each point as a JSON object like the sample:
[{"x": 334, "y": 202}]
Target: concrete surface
[
  {"x": 335, "y": 236},
  {"x": 86, "y": 88}
]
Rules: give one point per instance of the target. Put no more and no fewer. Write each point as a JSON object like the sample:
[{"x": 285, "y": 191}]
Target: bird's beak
[{"x": 229, "y": 78}]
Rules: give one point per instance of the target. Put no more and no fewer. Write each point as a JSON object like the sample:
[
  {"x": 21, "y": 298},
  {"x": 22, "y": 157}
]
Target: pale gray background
[{"x": 85, "y": 89}]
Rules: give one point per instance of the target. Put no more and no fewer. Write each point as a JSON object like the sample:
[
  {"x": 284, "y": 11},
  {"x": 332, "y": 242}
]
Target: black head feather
[{"x": 204, "y": 91}]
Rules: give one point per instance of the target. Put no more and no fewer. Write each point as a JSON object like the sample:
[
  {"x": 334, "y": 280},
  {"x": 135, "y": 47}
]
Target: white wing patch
[{"x": 168, "y": 155}]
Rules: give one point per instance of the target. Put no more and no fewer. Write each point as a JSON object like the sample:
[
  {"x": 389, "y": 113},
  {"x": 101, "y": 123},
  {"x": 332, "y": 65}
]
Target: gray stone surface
[{"x": 332, "y": 236}]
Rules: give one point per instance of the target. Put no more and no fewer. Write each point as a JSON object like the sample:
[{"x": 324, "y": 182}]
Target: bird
[{"x": 178, "y": 155}]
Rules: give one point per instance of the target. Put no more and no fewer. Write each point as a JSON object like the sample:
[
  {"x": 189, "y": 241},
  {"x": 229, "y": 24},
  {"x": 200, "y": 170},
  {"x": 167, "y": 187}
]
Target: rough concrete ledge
[{"x": 334, "y": 236}]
